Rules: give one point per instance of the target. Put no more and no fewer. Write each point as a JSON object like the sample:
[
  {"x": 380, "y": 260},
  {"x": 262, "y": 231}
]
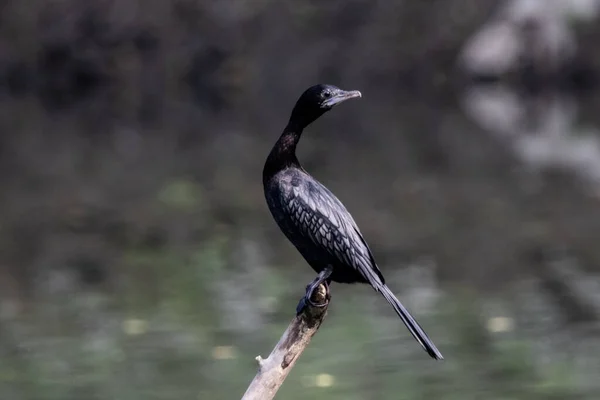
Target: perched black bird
[{"x": 315, "y": 221}]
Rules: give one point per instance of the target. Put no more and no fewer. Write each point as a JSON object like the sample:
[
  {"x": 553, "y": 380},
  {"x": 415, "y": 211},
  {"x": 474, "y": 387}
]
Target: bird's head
[{"x": 317, "y": 100}]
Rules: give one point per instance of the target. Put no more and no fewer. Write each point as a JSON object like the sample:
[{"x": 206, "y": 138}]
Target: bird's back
[{"x": 320, "y": 227}]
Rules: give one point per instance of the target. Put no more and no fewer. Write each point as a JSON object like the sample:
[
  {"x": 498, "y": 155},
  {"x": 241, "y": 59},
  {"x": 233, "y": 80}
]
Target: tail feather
[{"x": 412, "y": 325}]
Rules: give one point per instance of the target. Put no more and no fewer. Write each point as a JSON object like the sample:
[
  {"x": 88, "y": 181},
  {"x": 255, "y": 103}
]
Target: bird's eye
[{"x": 326, "y": 94}]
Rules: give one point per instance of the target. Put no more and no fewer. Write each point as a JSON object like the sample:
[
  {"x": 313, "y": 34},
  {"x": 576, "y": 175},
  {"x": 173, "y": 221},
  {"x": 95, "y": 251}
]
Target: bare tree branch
[{"x": 273, "y": 370}]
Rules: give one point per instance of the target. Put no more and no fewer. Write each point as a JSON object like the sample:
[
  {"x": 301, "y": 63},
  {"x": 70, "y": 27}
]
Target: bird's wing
[{"x": 320, "y": 216}]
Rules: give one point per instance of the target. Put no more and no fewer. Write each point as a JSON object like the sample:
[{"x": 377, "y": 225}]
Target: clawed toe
[
  {"x": 304, "y": 301},
  {"x": 321, "y": 279},
  {"x": 312, "y": 303}
]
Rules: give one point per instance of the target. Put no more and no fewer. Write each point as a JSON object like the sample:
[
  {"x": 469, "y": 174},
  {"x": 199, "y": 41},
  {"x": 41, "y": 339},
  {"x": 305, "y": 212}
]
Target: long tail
[{"x": 412, "y": 325}]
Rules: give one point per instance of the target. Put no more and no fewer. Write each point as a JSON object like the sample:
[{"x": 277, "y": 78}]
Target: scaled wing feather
[{"x": 321, "y": 217}]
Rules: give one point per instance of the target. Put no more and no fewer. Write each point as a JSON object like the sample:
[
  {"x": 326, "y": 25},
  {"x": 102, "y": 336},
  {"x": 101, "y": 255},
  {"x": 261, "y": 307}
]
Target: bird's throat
[{"x": 283, "y": 154}]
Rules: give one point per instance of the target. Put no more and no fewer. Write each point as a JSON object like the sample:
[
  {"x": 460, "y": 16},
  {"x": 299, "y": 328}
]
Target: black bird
[{"x": 315, "y": 221}]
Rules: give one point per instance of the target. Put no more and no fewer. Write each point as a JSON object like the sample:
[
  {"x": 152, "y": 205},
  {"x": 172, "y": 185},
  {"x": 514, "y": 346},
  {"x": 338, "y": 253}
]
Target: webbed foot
[{"x": 306, "y": 300}]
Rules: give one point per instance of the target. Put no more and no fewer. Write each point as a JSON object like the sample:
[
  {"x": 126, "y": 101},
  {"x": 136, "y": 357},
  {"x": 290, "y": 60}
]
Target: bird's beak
[{"x": 340, "y": 97}]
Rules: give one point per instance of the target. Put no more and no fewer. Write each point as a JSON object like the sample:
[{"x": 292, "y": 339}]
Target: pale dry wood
[{"x": 273, "y": 370}]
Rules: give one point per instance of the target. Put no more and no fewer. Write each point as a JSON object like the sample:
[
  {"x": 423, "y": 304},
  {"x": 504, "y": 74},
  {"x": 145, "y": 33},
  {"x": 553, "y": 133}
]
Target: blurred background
[{"x": 138, "y": 259}]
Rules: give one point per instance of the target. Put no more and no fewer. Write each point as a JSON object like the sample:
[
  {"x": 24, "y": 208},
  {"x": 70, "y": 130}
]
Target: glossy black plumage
[{"x": 315, "y": 221}]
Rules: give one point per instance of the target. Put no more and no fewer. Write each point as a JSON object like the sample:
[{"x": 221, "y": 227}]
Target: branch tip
[{"x": 273, "y": 370}]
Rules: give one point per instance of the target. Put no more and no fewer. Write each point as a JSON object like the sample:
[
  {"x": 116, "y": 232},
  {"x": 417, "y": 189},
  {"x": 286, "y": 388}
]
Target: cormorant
[{"x": 315, "y": 221}]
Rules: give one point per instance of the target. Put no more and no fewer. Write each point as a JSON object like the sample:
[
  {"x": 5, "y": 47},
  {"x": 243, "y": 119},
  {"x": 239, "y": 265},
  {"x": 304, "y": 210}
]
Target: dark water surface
[{"x": 138, "y": 259}]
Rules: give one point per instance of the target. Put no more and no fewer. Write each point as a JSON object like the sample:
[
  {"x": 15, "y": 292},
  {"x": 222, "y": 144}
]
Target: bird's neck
[{"x": 283, "y": 154}]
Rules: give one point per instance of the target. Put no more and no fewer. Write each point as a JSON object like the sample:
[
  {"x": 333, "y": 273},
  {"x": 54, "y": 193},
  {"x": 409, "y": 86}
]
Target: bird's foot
[{"x": 306, "y": 300}]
